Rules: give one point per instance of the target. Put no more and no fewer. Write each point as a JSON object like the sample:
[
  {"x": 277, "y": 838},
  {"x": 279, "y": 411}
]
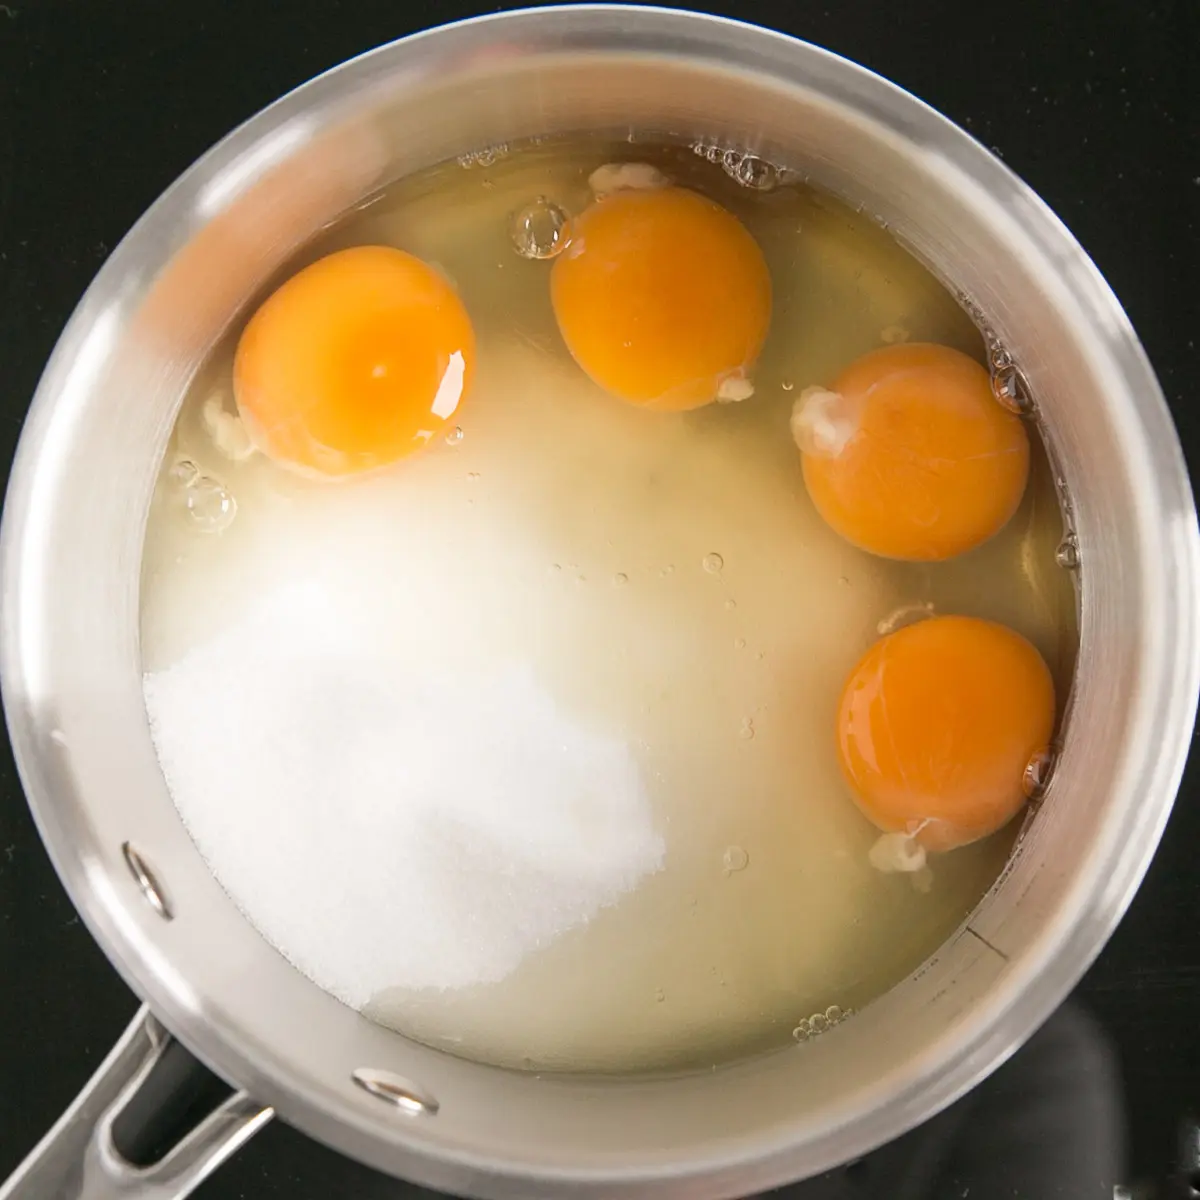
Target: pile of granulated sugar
[{"x": 389, "y": 828}]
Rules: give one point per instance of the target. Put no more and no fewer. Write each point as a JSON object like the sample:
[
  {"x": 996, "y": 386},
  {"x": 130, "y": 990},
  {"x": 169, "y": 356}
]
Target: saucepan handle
[{"x": 79, "y": 1158}]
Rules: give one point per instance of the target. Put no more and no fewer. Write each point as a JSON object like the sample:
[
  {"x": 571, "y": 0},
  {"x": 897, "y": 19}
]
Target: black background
[{"x": 104, "y": 102}]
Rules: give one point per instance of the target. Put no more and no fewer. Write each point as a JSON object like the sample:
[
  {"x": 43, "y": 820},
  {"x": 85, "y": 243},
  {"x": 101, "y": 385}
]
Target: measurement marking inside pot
[{"x": 987, "y": 943}]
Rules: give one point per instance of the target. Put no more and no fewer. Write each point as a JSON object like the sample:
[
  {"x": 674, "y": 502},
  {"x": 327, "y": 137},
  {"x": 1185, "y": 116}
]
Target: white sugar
[{"x": 386, "y": 827}]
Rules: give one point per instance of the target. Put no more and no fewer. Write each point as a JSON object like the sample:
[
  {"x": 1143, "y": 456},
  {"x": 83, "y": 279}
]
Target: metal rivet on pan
[
  {"x": 395, "y": 1090},
  {"x": 146, "y": 879}
]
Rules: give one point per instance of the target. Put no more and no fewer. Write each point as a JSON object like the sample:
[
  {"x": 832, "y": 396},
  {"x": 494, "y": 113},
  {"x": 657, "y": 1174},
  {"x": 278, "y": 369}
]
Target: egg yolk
[
  {"x": 936, "y": 725},
  {"x": 662, "y": 297},
  {"x": 909, "y": 455},
  {"x": 354, "y": 362}
]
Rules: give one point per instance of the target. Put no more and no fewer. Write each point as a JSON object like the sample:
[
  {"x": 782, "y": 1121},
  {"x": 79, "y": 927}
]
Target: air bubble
[
  {"x": 660, "y": 995},
  {"x": 1064, "y": 498},
  {"x": 713, "y": 563},
  {"x": 484, "y": 157},
  {"x": 754, "y": 173},
  {"x": 620, "y": 578},
  {"x": 708, "y": 150},
  {"x": 998, "y": 357},
  {"x": 1067, "y": 554},
  {"x": 1010, "y": 388},
  {"x": 787, "y": 385},
  {"x": 455, "y": 436},
  {"x": 1036, "y": 777},
  {"x": 820, "y": 1022},
  {"x": 747, "y": 170},
  {"x": 739, "y": 643},
  {"x": 210, "y": 508},
  {"x": 539, "y": 230},
  {"x": 734, "y": 859},
  {"x": 730, "y": 604},
  {"x": 746, "y": 733},
  {"x": 183, "y": 473}
]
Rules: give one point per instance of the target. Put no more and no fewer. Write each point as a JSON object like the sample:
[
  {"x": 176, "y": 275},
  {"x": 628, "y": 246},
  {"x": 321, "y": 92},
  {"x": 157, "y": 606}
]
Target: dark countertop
[{"x": 103, "y": 104}]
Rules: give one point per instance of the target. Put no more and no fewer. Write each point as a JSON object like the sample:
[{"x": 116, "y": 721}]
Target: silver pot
[{"x": 72, "y": 537}]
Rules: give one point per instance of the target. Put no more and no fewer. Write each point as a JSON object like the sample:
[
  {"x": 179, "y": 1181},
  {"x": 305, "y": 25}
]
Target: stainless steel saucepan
[{"x": 72, "y": 537}]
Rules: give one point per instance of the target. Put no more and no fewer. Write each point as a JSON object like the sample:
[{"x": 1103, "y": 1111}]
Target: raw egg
[
  {"x": 354, "y": 362},
  {"x": 936, "y": 725},
  {"x": 909, "y": 455},
  {"x": 662, "y": 297}
]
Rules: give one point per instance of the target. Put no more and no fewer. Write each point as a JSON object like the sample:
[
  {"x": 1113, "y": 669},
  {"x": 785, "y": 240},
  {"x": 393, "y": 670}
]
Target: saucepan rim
[{"x": 1016, "y": 1009}]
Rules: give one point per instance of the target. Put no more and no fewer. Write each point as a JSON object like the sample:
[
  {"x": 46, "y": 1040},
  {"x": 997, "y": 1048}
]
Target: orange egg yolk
[
  {"x": 354, "y": 362},
  {"x": 662, "y": 297},
  {"x": 936, "y": 725},
  {"x": 909, "y": 455}
]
